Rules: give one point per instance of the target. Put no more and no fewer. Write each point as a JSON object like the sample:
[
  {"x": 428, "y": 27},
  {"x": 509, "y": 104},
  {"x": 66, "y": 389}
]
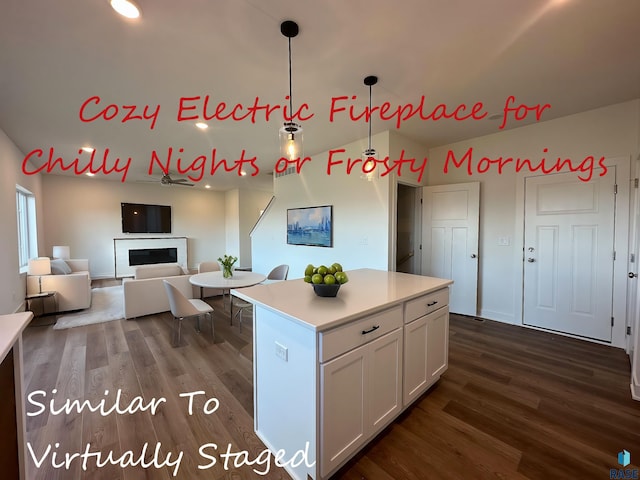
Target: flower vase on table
[
  {"x": 227, "y": 262},
  {"x": 227, "y": 272}
]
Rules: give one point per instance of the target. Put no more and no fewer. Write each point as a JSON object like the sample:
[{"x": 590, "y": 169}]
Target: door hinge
[
  {"x": 628, "y": 330},
  {"x": 615, "y": 189},
  {"x": 632, "y": 258},
  {"x": 420, "y": 247},
  {"x": 614, "y": 254},
  {"x": 635, "y": 183},
  {"x": 612, "y": 321}
]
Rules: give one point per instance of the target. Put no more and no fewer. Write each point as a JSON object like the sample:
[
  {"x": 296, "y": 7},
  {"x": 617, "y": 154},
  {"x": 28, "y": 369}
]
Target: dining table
[{"x": 239, "y": 279}]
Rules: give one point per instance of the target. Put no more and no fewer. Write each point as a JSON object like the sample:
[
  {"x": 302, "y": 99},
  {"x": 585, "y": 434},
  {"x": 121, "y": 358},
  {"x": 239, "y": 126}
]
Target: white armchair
[{"x": 73, "y": 288}]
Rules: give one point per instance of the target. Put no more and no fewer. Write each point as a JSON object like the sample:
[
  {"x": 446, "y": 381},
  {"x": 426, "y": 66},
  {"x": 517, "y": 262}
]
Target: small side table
[{"x": 41, "y": 304}]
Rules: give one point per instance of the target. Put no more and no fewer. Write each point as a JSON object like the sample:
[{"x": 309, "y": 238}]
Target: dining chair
[
  {"x": 209, "y": 267},
  {"x": 183, "y": 307},
  {"x": 278, "y": 273}
]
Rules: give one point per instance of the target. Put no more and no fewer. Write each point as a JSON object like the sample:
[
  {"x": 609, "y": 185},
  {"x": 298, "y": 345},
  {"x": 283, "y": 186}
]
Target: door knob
[
  {"x": 473, "y": 255},
  {"x": 632, "y": 275},
  {"x": 531, "y": 260}
]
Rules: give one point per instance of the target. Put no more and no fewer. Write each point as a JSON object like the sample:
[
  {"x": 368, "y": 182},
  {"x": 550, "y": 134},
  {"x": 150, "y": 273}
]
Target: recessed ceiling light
[
  {"x": 202, "y": 125},
  {"x": 88, "y": 149},
  {"x": 243, "y": 173},
  {"x": 90, "y": 174},
  {"x": 207, "y": 186},
  {"x": 126, "y": 8}
]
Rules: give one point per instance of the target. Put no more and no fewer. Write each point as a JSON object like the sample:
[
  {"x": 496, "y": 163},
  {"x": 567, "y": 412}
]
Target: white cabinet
[
  {"x": 426, "y": 343},
  {"x": 360, "y": 390},
  {"x": 342, "y": 408},
  {"x": 385, "y": 380}
]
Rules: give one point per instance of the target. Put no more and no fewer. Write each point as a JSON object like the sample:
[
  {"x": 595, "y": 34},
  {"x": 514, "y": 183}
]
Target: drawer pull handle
[
  {"x": 372, "y": 329},
  {"x": 432, "y": 303}
]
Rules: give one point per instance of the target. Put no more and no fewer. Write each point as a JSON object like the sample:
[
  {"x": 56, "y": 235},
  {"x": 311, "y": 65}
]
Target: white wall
[
  {"x": 611, "y": 131},
  {"x": 84, "y": 213},
  {"x": 242, "y": 210},
  {"x": 412, "y": 149},
  {"x": 232, "y": 225},
  {"x": 251, "y": 203},
  {"x": 12, "y": 282},
  {"x": 361, "y": 218}
]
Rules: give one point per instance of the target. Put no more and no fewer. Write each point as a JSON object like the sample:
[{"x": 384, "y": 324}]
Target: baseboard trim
[
  {"x": 635, "y": 392},
  {"x": 104, "y": 276},
  {"x": 498, "y": 317}
]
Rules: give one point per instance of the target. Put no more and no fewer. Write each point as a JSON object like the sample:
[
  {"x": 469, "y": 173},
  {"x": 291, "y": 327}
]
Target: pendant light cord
[
  {"x": 290, "y": 88},
  {"x": 370, "y": 117}
]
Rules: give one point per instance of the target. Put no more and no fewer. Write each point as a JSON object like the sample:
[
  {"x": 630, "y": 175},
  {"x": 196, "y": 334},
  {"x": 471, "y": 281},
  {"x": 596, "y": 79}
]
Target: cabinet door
[
  {"x": 415, "y": 359},
  {"x": 343, "y": 413},
  {"x": 426, "y": 353},
  {"x": 385, "y": 379},
  {"x": 437, "y": 344}
]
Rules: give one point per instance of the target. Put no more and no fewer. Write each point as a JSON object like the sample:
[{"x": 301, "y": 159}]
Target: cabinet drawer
[
  {"x": 358, "y": 332},
  {"x": 425, "y": 304}
]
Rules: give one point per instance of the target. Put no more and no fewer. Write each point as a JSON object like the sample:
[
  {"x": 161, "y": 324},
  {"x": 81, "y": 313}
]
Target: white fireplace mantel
[{"x": 121, "y": 247}]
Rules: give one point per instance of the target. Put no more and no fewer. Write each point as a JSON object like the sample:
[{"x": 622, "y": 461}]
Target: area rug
[{"x": 106, "y": 305}]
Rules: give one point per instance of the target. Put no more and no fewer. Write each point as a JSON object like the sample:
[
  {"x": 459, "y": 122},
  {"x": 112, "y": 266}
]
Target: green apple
[{"x": 341, "y": 277}]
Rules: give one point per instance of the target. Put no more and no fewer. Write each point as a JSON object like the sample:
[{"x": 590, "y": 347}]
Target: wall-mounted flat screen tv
[{"x": 141, "y": 218}]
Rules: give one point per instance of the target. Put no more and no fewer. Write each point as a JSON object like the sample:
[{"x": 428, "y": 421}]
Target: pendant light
[
  {"x": 369, "y": 155},
  {"x": 290, "y": 133}
]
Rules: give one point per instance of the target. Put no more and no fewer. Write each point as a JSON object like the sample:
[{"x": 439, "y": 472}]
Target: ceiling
[{"x": 575, "y": 55}]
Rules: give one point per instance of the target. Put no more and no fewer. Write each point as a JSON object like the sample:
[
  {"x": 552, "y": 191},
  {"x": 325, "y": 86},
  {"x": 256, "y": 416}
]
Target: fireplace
[
  {"x": 146, "y": 256},
  {"x": 130, "y": 252}
]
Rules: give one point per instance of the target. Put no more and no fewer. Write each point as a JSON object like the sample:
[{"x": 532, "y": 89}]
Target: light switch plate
[{"x": 282, "y": 352}]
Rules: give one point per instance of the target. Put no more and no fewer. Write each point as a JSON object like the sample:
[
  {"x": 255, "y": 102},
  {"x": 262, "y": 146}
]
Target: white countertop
[
  {"x": 11, "y": 326},
  {"x": 367, "y": 290}
]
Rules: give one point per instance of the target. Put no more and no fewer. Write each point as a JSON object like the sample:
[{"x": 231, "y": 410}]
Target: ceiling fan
[{"x": 166, "y": 180}]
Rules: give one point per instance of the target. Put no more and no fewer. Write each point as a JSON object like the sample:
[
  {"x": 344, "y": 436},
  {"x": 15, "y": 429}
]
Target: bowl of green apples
[{"x": 326, "y": 281}]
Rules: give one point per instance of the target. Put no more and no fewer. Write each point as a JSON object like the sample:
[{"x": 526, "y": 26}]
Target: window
[{"x": 27, "y": 231}]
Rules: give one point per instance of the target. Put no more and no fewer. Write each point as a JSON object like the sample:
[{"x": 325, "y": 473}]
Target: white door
[
  {"x": 568, "y": 253},
  {"x": 450, "y": 219}
]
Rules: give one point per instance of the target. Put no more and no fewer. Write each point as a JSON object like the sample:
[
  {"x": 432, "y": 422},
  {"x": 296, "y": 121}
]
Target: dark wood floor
[{"x": 515, "y": 403}]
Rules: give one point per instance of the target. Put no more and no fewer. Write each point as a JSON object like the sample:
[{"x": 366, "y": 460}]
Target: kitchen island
[{"x": 331, "y": 373}]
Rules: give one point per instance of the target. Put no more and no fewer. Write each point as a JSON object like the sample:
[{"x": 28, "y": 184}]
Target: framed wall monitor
[{"x": 143, "y": 218}]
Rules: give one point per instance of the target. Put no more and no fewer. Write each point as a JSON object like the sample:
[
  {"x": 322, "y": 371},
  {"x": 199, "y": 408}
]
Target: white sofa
[
  {"x": 73, "y": 289},
  {"x": 145, "y": 294}
]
